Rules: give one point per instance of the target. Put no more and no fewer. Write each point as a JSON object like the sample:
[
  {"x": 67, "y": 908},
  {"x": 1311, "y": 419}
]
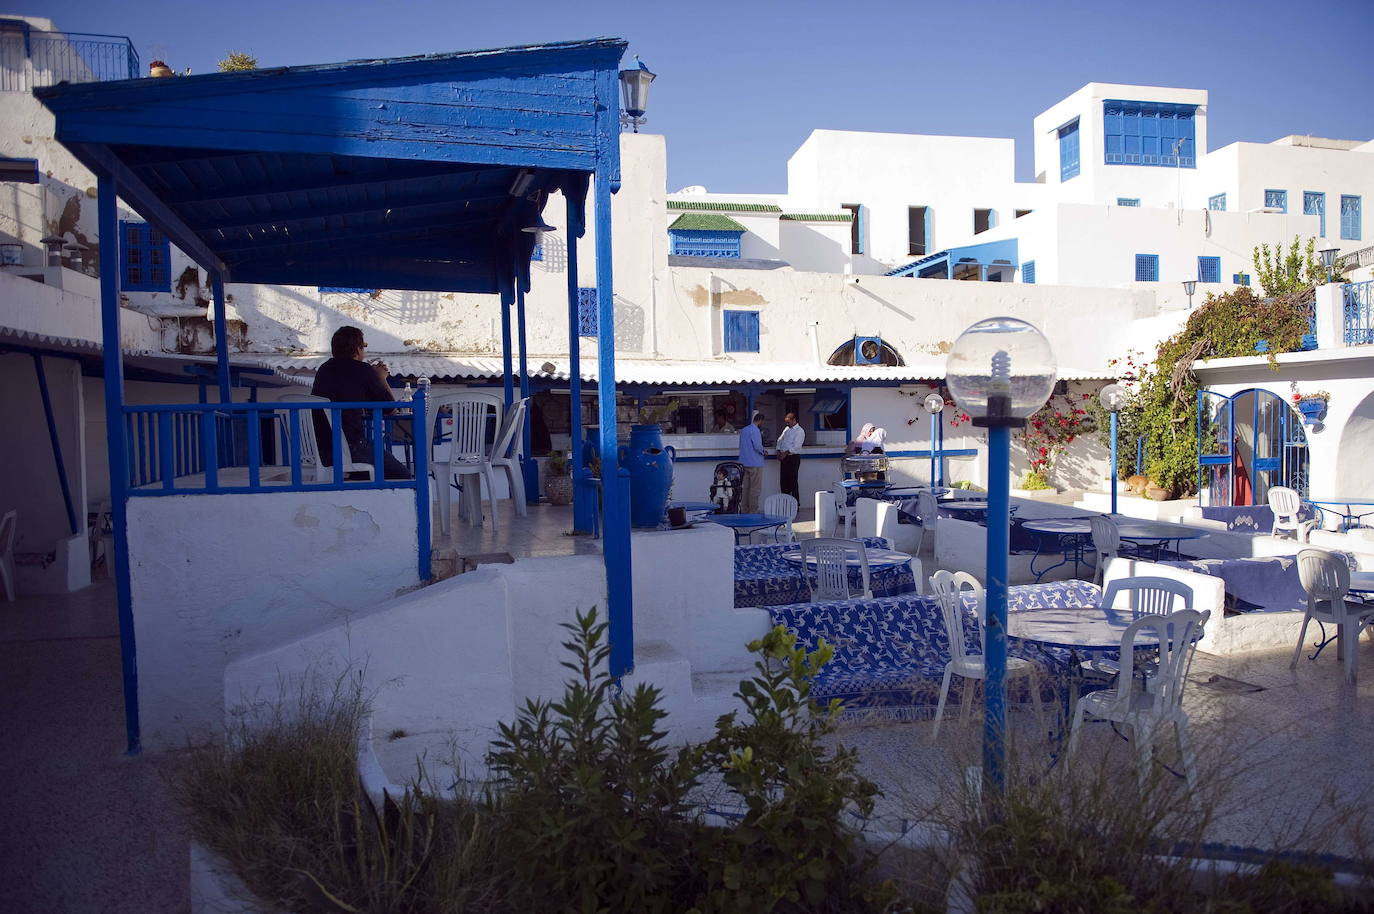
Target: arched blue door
[
  {"x": 1216, "y": 436},
  {"x": 1280, "y": 446},
  {"x": 1246, "y": 444}
]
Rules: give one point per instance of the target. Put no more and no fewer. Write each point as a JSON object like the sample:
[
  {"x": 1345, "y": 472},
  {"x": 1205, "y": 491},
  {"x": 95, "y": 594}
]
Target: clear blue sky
[{"x": 741, "y": 84}]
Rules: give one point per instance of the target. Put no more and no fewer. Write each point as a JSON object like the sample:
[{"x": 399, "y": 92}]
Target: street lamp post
[
  {"x": 1114, "y": 398},
  {"x": 1000, "y": 371},
  {"x": 935, "y": 405},
  {"x": 1189, "y": 285},
  {"x": 1328, "y": 256}
]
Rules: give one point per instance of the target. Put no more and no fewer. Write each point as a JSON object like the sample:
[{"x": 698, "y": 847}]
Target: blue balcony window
[
  {"x": 741, "y": 331},
  {"x": 1147, "y": 268},
  {"x": 1127, "y": 201},
  {"x": 1028, "y": 272},
  {"x": 1276, "y": 199},
  {"x": 1209, "y": 269},
  {"x": 704, "y": 243},
  {"x": 1314, "y": 204},
  {"x": 588, "y": 315},
  {"x": 1068, "y": 151},
  {"x": 1217, "y": 203},
  {"x": 1350, "y": 217},
  {"x": 144, "y": 258},
  {"x": 1148, "y": 133}
]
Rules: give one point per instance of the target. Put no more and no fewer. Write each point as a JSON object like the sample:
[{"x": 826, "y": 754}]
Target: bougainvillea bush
[{"x": 1052, "y": 429}]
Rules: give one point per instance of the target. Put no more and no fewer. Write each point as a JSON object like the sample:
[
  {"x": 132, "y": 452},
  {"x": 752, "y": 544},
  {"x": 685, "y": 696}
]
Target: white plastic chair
[
  {"x": 467, "y": 455},
  {"x": 508, "y": 451},
  {"x": 310, "y": 447},
  {"x": 1145, "y": 596},
  {"x": 928, "y": 511},
  {"x": 827, "y": 518},
  {"x": 875, "y": 518},
  {"x": 1325, "y": 577},
  {"x": 948, "y": 590},
  {"x": 1106, "y": 544},
  {"x": 8, "y": 525},
  {"x": 786, "y": 506},
  {"x": 1286, "y": 503},
  {"x": 842, "y": 510},
  {"x": 832, "y": 568},
  {"x": 1160, "y": 701}
]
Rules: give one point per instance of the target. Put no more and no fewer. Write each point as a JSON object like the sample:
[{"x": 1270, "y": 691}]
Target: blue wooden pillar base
[{"x": 530, "y": 467}]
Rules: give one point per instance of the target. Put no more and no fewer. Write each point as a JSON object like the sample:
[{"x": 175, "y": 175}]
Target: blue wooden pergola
[{"x": 415, "y": 173}]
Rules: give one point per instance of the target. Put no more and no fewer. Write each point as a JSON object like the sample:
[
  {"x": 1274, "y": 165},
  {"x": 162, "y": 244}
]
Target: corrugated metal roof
[{"x": 456, "y": 367}]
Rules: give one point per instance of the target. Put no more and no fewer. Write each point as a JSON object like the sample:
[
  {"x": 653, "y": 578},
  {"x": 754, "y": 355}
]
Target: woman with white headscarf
[{"x": 870, "y": 440}]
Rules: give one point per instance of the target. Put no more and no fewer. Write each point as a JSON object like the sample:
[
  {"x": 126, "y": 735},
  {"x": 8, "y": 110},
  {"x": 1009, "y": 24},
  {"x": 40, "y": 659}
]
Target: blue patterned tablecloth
[
  {"x": 764, "y": 578},
  {"x": 890, "y": 653},
  {"x": 1265, "y": 584}
]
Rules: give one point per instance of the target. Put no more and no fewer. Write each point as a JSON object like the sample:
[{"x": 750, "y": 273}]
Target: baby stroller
[{"x": 727, "y": 485}]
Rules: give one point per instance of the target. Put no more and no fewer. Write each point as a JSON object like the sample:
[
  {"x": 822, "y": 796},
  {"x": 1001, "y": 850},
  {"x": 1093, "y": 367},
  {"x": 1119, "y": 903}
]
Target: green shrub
[{"x": 1034, "y": 481}]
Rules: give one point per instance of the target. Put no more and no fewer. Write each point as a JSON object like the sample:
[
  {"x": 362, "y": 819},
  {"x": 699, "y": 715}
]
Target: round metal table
[
  {"x": 1075, "y": 533},
  {"x": 1362, "y": 582},
  {"x": 1349, "y": 517},
  {"x": 877, "y": 558},
  {"x": 746, "y": 524}
]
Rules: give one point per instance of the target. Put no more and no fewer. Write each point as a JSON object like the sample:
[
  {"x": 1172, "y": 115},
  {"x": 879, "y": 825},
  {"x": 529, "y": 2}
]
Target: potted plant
[
  {"x": 558, "y": 484},
  {"x": 1311, "y": 405}
]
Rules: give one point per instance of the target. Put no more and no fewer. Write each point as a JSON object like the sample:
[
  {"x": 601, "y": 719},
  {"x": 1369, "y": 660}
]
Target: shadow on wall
[
  {"x": 555, "y": 254},
  {"x": 629, "y": 326},
  {"x": 1352, "y": 459}
]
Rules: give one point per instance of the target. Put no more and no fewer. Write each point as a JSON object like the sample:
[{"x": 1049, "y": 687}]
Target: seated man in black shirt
[{"x": 346, "y": 378}]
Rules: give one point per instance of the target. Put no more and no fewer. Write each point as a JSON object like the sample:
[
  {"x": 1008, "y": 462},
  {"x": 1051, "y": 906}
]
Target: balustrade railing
[
  {"x": 31, "y": 58},
  {"x": 1358, "y": 300}
]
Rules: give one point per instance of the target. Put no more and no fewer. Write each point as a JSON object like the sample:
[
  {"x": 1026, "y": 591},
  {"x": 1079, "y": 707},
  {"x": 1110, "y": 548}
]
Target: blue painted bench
[
  {"x": 890, "y": 652},
  {"x": 764, "y": 578}
]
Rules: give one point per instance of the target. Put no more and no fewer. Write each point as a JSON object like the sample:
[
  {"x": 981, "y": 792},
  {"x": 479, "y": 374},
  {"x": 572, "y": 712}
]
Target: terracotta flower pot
[
  {"x": 559, "y": 490},
  {"x": 1158, "y": 493}
]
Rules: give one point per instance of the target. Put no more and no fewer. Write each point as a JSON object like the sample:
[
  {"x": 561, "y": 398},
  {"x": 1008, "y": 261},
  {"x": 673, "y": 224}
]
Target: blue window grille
[
  {"x": 144, "y": 258},
  {"x": 1276, "y": 199},
  {"x": 1240, "y": 279},
  {"x": 588, "y": 317},
  {"x": 741, "y": 331},
  {"x": 1068, "y": 151},
  {"x": 1148, "y": 133},
  {"x": 537, "y": 255},
  {"x": 1147, "y": 268},
  {"x": 1209, "y": 269},
  {"x": 344, "y": 290},
  {"x": 1028, "y": 272},
  {"x": 18, "y": 171},
  {"x": 1217, "y": 203},
  {"x": 1350, "y": 217},
  {"x": 1314, "y": 204},
  {"x": 704, "y": 243},
  {"x": 1127, "y": 201}
]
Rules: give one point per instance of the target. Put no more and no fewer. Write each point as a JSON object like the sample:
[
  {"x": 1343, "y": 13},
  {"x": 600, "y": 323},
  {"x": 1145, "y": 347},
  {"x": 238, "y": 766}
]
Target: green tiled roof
[
  {"x": 818, "y": 217},
  {"x": 725, "y": 207},
  {"x": 706, "y": 222}
]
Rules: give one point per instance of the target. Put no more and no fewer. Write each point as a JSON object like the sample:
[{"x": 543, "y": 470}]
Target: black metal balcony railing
[{"x": 29, "y": 58}]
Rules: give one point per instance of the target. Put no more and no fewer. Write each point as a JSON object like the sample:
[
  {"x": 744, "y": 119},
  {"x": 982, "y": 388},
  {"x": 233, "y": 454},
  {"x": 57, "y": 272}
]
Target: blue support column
[
  {"x": 1114, "y": 470},
  {"x": 995, "y": 646},
  {"x": 55, "y": 441},
  {"x": 118, "y": 455},
  {"x": 506, "y": 282},
  {"x": 940, "y": 464},
  {"x": 528, "y": 465},
  {"x": 584, "y": 494},
  {"x": 420, "y": 425},
  {"x": 221, "y": 337},
  {"x": 615, "y": 479}
]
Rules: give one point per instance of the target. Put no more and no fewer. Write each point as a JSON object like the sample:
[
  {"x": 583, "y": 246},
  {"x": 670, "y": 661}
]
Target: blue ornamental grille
[{"x": 704, "y": 243}]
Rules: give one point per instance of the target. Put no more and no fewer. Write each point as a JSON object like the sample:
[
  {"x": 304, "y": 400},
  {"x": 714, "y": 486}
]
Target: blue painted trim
[
  {"x": 1115, "y": 429},
  {"x": 1209, "y": 269},
  {"x": 1314, "y": 204},
  {"x": 1070, "y": 155},
  {"x": 995, "y": 632},
  {"x": 584, "y": 496},
  {"x": 1276, "y": 199},
  {"x": 12, "y": 174},
  {"x": 420, "y": 426},
  {"x": 506, "y": 283},
  {"x": 1028, "y": 272},
  {"x": 1351, "y": 222},
  {"x": 221, "y": 336},
  {"x": 1147, "y": 268},
  {"x": 113, "y": 364},
  {"x": 55, "y": 440},
  {"x": 528, "y": 466},
  {"x": 861, "y": 230},
  {"x": 943, "y": 452}
]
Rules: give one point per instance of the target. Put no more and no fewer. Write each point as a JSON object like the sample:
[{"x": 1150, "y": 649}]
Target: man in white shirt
[{"x": 789, "y": 455}]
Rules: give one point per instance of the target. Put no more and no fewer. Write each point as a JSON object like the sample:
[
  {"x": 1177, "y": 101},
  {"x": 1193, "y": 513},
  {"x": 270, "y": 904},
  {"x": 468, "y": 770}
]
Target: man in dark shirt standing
[{"x": 346, "y": 378}]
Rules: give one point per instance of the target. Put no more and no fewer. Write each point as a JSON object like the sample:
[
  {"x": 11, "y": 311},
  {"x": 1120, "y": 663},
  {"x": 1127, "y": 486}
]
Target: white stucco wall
[{"x": 215, "y": 577}]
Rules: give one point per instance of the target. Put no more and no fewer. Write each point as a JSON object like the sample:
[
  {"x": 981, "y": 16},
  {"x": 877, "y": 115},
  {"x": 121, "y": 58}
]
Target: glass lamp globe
[
  {"x": 1114, "y": 398},
  {"x": 1000, "y": 368},
  {"x": 634, "y": 85},
  {"x": 1328, "y": 256},
  {"x": 934, "y": 404}
]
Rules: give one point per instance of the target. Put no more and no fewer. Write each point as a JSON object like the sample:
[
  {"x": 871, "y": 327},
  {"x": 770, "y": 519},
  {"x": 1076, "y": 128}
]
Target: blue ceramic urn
[{"x": 651, "y": 474}]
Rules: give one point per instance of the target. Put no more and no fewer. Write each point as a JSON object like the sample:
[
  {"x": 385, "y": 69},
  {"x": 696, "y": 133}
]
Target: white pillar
[{"x": 1330, "y": 310}]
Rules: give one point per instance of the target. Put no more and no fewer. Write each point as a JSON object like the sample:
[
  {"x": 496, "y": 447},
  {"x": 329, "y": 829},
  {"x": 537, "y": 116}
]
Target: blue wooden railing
[
  {"x": 1359, "y": 313},
  {"x": 30, "y": 58}
]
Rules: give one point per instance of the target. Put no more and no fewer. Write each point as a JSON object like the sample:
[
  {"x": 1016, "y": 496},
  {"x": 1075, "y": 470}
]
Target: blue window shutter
[
  {"x": 1217, "y": 202},
  {"x": 1068, "y": 151},
  {"x": 588, "y": 317},
  {"x": 1147, "y": 268},
  {"x": 1276, "y": 199},
  {"x": 930, "y": 236},
  {"x": 1028, "y": 272},
  {"x": 1209, "y": 269},
  {"x": 1149, "y": 133},
  {"x": 1350, "y": 217},
  {"x": 741, "y": 331},
  {"x": 1314, "y": 204},
  {"x": 992, "y": 218},
  {"x": 1240, "y": 279},
  {"x": 861, "y": 215},
  {"x": 144, "y": 258}
]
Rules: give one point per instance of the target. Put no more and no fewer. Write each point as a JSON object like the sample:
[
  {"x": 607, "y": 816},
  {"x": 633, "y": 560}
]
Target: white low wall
[{"x": 216, "y": 577}]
